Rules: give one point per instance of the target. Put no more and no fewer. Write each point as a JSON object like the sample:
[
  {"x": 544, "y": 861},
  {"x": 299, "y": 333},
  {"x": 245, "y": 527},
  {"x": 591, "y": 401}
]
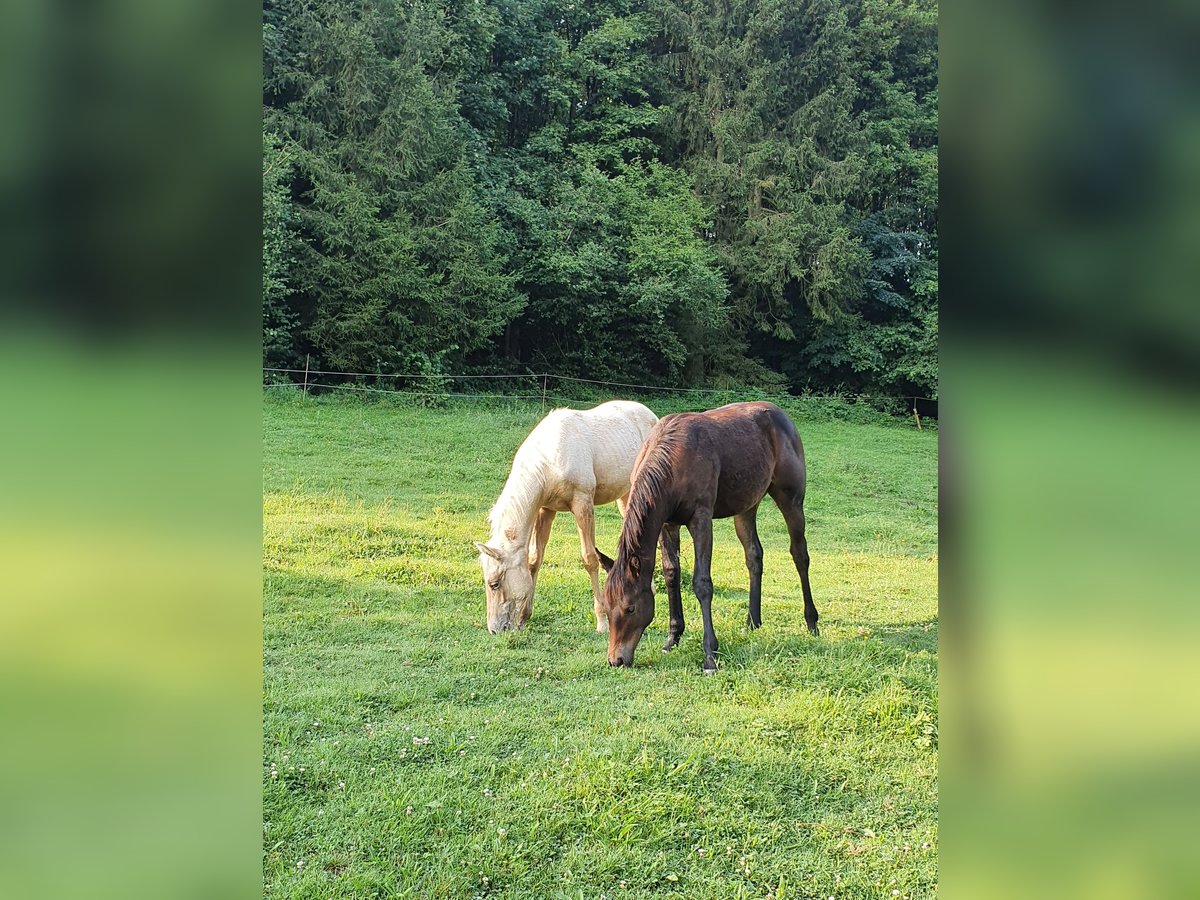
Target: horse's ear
[
  {"x": 605, "y": 561},
  {"x": 490, "y": 551},
  {"x": 635, "y": 567}
]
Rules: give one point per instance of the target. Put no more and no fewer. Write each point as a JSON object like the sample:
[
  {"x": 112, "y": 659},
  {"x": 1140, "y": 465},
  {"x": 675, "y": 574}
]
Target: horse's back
[
  {"x": 618, "y": 430},
  {"x": 744, "y": 448},
  {"x": 594, "y": 449},
  {"x": 615, "y": 428},
  {"x": 622, "y": 415},
  {"x": 775, "y": 425}
]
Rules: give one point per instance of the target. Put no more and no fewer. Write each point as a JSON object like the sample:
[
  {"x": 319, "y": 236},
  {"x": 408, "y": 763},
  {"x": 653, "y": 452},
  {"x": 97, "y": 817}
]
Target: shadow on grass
[
  {"x": 730, "y": 596},
  {"x": 911, "y": 636}
]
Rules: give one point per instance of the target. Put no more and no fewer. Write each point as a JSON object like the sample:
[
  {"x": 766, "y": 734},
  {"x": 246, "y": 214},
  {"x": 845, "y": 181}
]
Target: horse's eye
[
  {"x": 630, "y": 609},
  {"x": 494, "y": 585}
]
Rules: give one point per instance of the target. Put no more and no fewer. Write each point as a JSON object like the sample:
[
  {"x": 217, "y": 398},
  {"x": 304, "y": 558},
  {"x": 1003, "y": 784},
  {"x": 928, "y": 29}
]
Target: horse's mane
[
  {"x": 650, "y": 483},
  {"x": 521, "y": 492}
]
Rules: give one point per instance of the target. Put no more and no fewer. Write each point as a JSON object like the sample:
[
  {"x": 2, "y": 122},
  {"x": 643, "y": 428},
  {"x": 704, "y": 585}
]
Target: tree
[
  {"x": 762, "y": 102},
  {"x": 685, "y": 192},
  {"x": 397, "y": 262},
  {"x": 888, "y": 340},
  {"x": 279, "y": 322}
]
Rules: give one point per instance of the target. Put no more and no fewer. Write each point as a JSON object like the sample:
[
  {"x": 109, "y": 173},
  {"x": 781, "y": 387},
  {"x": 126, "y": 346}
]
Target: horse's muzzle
[
  {"x": 510, "y": 620},
  {"x": 508, "y": 625}
]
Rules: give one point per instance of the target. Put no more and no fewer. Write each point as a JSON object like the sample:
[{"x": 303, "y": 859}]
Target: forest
[{"x": 682, "y": 193}]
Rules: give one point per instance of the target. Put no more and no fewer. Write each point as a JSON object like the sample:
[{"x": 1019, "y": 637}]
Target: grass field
[{"x": 408, "y": 753}]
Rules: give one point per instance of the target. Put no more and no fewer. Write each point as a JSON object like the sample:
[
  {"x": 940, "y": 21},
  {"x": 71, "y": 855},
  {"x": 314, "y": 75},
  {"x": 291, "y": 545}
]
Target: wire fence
[{"x": 550, "y": 388}]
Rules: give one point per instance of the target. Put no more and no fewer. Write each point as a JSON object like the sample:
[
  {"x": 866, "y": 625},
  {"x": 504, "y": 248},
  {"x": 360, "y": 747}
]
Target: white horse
[{"x": 572, "y": 460}]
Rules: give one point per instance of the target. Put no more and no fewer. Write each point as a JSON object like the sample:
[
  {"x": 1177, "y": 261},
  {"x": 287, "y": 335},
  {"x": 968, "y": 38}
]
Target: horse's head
[
  {"x": 629, "y": 602},
  {"x": 508, "y": 580}
]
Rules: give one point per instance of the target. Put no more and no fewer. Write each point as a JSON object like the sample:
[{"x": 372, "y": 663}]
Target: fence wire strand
[
  {"x": 545, "y": 377},
  {"x": 393, "y": 374},
  {"x": 371, "y": 390}
]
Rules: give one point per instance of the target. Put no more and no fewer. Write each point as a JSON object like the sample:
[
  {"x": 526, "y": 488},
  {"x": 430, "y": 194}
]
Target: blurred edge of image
[
  {"x": 129, "y": 355},
  {"x": 130, "y": 512},
  {"x": 1071, "y": 249}
]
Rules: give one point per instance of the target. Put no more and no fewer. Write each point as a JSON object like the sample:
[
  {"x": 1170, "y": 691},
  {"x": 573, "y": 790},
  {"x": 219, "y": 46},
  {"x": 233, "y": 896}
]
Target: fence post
[
  {"x": 305, "y": 374},
  {"x": 917, "y": 415},
  {"x": 544, "y": 377}
]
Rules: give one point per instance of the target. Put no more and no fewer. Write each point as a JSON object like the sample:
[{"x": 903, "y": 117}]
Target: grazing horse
[
  {"x": 693, "y": 468},
  {"x": 572, "y": 460}
]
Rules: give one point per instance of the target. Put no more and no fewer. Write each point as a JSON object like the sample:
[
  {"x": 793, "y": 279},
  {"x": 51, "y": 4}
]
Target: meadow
[{"x": 409, "y": 753}]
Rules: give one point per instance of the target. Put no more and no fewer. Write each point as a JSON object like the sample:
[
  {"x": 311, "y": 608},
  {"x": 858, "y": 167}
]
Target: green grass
[{"x": 408, "y": 753}]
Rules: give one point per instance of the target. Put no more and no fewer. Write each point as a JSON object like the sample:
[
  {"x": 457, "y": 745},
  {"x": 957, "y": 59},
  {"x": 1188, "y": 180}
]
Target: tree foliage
[{"x": 683, "y": 191}]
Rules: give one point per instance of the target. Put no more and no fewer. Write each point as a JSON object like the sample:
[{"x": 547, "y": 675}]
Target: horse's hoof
[
  {"x": 814, "y": 630},
  {"x": 670, "y": 645},
  {"x": 708, "y": 671},
  {"x": 752, "y": 625}
]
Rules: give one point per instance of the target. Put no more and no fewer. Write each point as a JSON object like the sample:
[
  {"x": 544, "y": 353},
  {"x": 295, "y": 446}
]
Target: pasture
[{"x": 409, "y": 753}]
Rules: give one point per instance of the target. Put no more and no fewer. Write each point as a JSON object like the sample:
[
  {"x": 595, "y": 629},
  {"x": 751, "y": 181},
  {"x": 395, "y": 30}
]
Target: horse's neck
[{"x": 516, "y": 509}]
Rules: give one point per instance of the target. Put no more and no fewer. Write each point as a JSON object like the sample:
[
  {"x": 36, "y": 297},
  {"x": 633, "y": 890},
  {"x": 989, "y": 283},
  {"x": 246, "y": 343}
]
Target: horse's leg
[
  {"x": 702, "y": 541},
  {"x": 746, "y": 526},
  {"x": 668, "y": 543},
  {"x": 623, "y": 504},
  {"x": 585, "y": 518},
  {"x": 539, "y": 539},
  {"x": 791, "y": 504}
]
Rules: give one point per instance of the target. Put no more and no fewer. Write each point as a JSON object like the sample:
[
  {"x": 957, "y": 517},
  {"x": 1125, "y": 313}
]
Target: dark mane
[{"x": 650, "y": 483}]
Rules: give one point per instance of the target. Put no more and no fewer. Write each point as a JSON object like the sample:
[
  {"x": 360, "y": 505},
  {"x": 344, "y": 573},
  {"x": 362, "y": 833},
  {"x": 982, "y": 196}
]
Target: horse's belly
[
  {"x": 610, "y": 492},
  {"x": 739, "y": 490},
  {"x": 559, "y": 500},
  {"x": 612, "y": 471}
]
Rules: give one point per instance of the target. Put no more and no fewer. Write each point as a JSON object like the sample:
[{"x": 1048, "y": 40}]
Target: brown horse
[{"x": 693, "y": 468}]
